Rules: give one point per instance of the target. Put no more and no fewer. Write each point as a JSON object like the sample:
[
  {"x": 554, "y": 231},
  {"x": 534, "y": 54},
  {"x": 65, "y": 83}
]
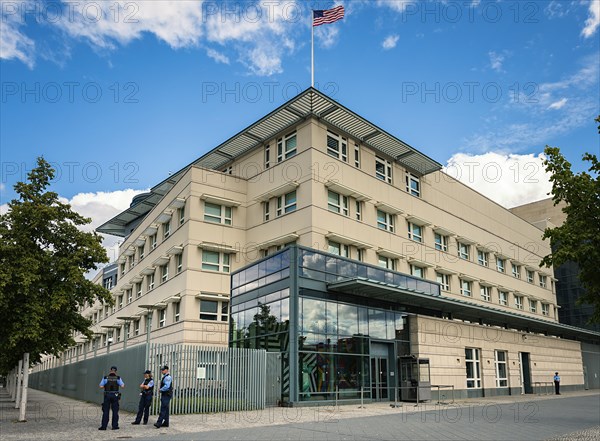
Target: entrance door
[
  {"x": 379, "y": 378},
  {"x": 525, "y": 373}
]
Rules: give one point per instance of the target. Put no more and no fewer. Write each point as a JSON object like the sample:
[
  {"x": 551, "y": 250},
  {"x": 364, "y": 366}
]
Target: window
[
  {"x": 224, "y": 311},
  {"x": 131, "y": 260},
  {"x": 542, "y": 281},
  {"x": 500, "y": 264},
  {"x": 472, "y": 363},
  {"x": 516, "y": 271},
  {"x": 482, "y": 257},
  {"x": 441, "y": 242},
  {"x": 417, "y": 271},
  {"x": 122, "y": 270},
  {"x": 266, "y": 208},
  {"x": 337, "y": 146},
  {"x": 337, "y": 203},
  {"x": 500, "y": 359},
  {"x": 286, "y": 203},
  {"x": 179, "y": 261},
  {"x": 164, "y": 273},
  {"x": 358, "y": 210},
  {"x": 108, "y": 283},
  {"x": 356, "y": 156},
  {"x": 150, "y": 280},
  {"x": 545, "y": 309},
  {"x": 176, "y": 310},
  {"x": 465, "y": 287},
  {"x": 228, "y": 170},
  {"x": 486, "y": 294},
  {"x": 533, "y": 306},
  {"x": 162, "y": 318},
  {"x": 138, "y": 290},
  {"x": 502, "y": 298},
  {"x": 413, "y": 185},
  {"x": 215, "y": 261},
  {"x": 166, "y": 229},
  {"x": 153, "y": 241},
  {"x": 463, "y": 251},
  {"x": 339, "y": 249},
  {"x": 530, "y": 275},
  {"x": 519, "y": 302},
  {"x": 129, "y": 293},
  {"x": 415, "y": 232},
  {"x": 218, "y": 214},
  {"x": 209, "y": 310},
  {"x": 267, "y": 156},
  {"x": 141, "y": 250},
  {"x": 181, "y": 215},
  {"x": 120, "y": 301},
  {"x": 443, "y": 280},
  {"x": 385, "y": 221},
  {"x": 383, "y": 169},
  {"x": 360, "y": 255},
  {"x": 387, "y": 262},
  {"x": 286, "y": 147}
]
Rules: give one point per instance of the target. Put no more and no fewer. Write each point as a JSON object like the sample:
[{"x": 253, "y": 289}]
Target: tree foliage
[
  {"x": 578, "y": 239},
  {"x": 44, "y": 257}
]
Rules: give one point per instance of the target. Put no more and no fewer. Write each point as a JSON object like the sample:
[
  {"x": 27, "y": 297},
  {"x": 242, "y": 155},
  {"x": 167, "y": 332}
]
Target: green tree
[
  {"x": 578, "y": 239},
  {"x": 44, "y": 257}
]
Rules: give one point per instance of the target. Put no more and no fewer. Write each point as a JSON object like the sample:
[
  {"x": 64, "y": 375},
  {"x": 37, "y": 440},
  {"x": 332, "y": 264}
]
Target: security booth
[{"x": 415, "y": 383}]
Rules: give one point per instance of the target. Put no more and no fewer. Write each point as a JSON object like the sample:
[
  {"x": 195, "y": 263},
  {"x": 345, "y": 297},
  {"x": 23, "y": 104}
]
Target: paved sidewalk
[{"x": 569, "y": 416}]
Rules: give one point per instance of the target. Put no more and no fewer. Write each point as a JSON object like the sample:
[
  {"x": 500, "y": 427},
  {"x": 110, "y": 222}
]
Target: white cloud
[
  {"x": 217, "y": 56},
  {"x": 496, "y": 61},
  {"x": 390, "y": 41},
  {"x": 327, "y": 35},
  {"x": 593, "y": 21},
  {"x": 507, "y": 179},
  {"x": 13, "y": 43},
  {"x": 558, "y": 104},
  {"x": 396, "y": 5}
]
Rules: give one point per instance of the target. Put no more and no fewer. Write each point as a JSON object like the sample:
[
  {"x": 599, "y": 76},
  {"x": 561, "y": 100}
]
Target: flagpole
[{"x": 312, "y": 50}]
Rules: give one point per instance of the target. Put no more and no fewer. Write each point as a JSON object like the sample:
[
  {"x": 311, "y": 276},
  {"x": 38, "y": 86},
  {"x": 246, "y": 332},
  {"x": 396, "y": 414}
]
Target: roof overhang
[
  {"x": 309, "y": 104},
  {"x": 459, "y": 309}
]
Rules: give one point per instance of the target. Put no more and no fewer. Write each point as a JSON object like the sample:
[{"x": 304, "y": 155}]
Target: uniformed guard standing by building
[
  {"x": 147, "y": 390},
  {"x": 166, "y": 393},
  {"x": 111, "y": 384}
]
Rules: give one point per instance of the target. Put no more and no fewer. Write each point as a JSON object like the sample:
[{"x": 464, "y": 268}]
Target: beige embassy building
[{"x": 317, "y": 234}]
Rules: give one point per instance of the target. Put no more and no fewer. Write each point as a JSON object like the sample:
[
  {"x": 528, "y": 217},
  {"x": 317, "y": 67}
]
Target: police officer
[
  {"x": 556, "y": 383},
  {"x": 166, "y": 393},
  {"x": 111, "y": 384},
  {"x": 147, "y": 389}
]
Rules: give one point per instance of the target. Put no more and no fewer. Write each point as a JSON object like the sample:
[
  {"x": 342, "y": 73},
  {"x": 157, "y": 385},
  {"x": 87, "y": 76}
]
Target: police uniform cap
[
  {"x": 164, "y": 368},
  {"x": 147, "y": 372},
  {"x": 113, "y": 368}
]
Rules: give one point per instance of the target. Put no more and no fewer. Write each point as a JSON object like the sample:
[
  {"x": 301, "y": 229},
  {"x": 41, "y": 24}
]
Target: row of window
[{"x": 474, "y": 372}]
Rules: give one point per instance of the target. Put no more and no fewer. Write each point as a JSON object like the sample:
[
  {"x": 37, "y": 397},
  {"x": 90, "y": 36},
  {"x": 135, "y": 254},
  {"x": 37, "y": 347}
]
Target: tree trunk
[
  {"x": 19, "y": 378},
  {"x": 22, "y": 417}
]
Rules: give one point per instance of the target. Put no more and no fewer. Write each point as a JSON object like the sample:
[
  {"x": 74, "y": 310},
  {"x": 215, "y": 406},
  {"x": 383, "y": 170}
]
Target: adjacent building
[{"x": 316, "y": 234}]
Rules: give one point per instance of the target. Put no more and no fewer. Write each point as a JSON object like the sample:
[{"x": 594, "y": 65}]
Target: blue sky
[{"x": 118, "y": 94}]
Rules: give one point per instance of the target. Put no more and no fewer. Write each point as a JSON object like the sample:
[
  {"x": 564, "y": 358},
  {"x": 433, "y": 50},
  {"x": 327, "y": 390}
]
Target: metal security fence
[
  {"x": 211, "y": 379},
  {"x": 205, "y": 379}
]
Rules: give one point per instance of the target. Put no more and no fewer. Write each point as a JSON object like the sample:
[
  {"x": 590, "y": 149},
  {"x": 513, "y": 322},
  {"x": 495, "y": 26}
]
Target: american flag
[{"x": 327, "y": 16}]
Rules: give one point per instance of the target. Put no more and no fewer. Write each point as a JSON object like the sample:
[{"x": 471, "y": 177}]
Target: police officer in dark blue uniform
[
  {"x": 166, "y": 393},
  {"x": 147, "y": 390},
  {"x": 111, "y": 384}
]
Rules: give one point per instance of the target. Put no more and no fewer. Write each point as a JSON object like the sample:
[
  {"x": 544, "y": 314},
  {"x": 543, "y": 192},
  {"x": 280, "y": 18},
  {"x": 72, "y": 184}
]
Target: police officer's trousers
[
  {"x": 144, "y": 408},
  {"x": 163, "y": 417},
  {"x": 111, "y": 402}
]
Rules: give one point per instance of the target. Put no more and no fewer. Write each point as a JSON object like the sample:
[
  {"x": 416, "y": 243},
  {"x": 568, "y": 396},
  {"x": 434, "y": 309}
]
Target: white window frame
[
  {"x": 387, "y": 223},
  {"x": 464, "y": 250},
  {"x": 516, "y": 271},
  {"x": 519, "y": 302},
  {"x": 386, "y": 262},
  {"x": 444, "y": 280},
  {"x": 166, "y": 227},
  {"x": 266, "y": 210},
  {"x": 120, "y": 302},
  {"x": 415, "y": 270},
  {"x": 176, "y": 311},
  {"x": 410, "y": 189},
  {"x": 501, "y": 380},
  {"x": 473, "y": 356},
  {"x": 500, "y": 265},
  {"x": 441, "y": 242},
  {"x": 150, "y": 280},
  {"x": 164, "y": 273},
  {"x": 267, "y": 156},
  {"x": 209, "y": 315},
  {"x": 503, "y": 298},
  {"x": 287, "y": 146},
  {"x": 339, "y": 249},
  {"x": 122, "y": 269},
  {"x": 136, "y": 327},
  {"x": 338, "y": 147},
  {"x": 138, "y": 290},
  {"x": 546, "y": 309},
  {"x": 530, "y": 275},
  {"x": 482, "y": 258},
  {"x": 533, "y": 306},
  {"x": 543, "y": 282},
  {"x": 129, "y": 293},
  {"x": 285, "y": 206},
  {"x": 179, "y": 262},
  {"x": 153, "y": 241},
  {"x": 222, "y": 266},
  {"x": 181, "y": 215},
  {"x": 340, "y": 205},
  {"x": 141, "y": 250},
  {"x": 162, "y": 318},
  {"x": 486, "y": 293},
  {"x": 358, "y": 207},
  {"x": 415, "y": 232},
  {"x": 466, "y": 288},
  {"x": 383, "y": 169},
  {"x": 356, "y": 156},
  {"x": 225, "y": 216},
  {"x": 360, "y": 254}
]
